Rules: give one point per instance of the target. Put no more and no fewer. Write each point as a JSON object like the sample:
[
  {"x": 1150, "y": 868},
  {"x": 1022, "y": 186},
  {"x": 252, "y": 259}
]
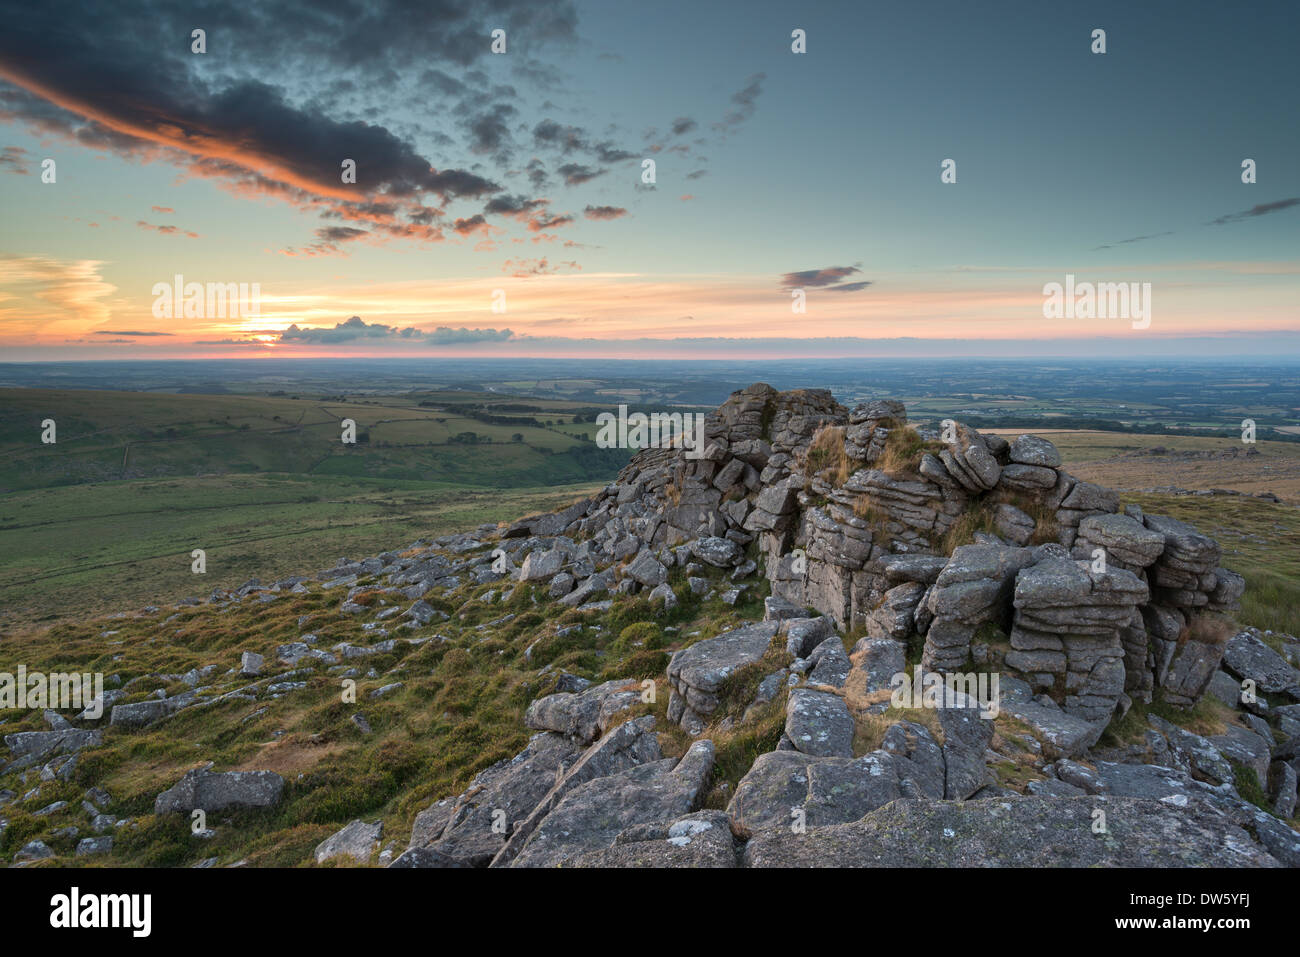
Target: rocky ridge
[{"x": 970, "y": 556}]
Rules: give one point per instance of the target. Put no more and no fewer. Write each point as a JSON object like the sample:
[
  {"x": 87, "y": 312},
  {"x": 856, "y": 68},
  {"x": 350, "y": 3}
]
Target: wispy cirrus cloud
[
  {"x": 1134, "y": 239},
  {"x": 523, "y": 268},
  {"x": 743, "y": 104},
  {"x": 1263, "y": 209},
  {"x": 13, "y": 159},
  {"x": 35, "y": 290},
  {"x": 167, "y": 230}
]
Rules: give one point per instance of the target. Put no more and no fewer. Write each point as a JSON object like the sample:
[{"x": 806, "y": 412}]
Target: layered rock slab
[
  {"x": 593, "y": 815},
  {"x": 1016, "y": 832}
]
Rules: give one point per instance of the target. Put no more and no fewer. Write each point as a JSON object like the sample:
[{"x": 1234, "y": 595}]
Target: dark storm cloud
[
  {"x": 123, "y": 78},
  {"x": 575, "y": 174},
  {"x": 490, "y": 133}
]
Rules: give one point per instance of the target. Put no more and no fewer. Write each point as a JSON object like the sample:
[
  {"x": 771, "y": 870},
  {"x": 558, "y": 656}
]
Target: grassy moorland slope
[
  {"x": 79, "y": 551},
  {"x": 457, "y": 692},
  {"x": 461, "y": 687},
  {"x": 469, "y": 438},
  {"x": 106, "y": 517}
]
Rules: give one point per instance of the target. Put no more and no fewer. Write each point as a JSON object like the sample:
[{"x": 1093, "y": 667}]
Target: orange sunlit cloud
[{"x": 46, "y": 301}]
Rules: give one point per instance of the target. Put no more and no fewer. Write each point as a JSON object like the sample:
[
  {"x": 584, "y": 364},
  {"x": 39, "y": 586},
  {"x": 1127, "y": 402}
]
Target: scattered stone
[
  {"x": 216, "y": 791},
  {"x": 33, "y": 851},
  {"x": 718, "y": 552},
  {"x": 1247, "y": 657},
  {"x": 818, "y": 723},
  {"x": 585, "y": 715},
  {"x": 94, "y": 845},
  {"x": 702, "y": 839},
  {"x": 358, "y": 841},
  {"x": 696, "y": 673}
]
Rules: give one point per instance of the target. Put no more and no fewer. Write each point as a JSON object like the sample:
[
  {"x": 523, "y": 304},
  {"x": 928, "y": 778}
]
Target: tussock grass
[
  {"x": 1209, "y": 716},
  {"x": 869, "y": 729},
  {"x": 977, "y": 518},
  {"x": 460, "y": 709},
  {"x": 737, "y": 750},
  {"x": 826, "y": 455},
  {"x": 904, "y": 449}
]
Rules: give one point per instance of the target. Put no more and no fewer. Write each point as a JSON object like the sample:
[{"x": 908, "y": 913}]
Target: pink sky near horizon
[{"x": 65, "y": 308}]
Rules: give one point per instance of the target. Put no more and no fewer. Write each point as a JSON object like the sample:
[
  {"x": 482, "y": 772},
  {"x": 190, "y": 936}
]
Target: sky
[{"x": 500, "y": 204}]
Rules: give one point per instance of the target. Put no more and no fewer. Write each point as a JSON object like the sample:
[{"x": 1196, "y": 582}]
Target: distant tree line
[{"x": 1031, "y": 423}]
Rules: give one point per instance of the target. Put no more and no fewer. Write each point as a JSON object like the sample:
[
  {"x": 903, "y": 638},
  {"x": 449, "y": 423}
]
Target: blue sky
[{"x": 1113, "y": 167}]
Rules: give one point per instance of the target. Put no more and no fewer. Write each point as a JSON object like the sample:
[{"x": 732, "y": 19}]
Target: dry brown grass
[
  {"x": 1107, "y": 458},
  {"x": 290, "y": 755},
  {"x": 1208, "y": 629},
  {"x": 869, "y": 729},
  {"x": 904, "y": 449},
  {"x": 864, "y": 509},
  {"x": 673, "y": 493},
  {"x": 977, "y": 518},
  {"x": 826, "y": 455},
  {"x": 1046, "y": 527}
]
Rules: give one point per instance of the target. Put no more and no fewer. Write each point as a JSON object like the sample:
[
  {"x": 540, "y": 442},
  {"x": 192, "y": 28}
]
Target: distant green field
[
  {"x": 73, "y": 551},
  {"x": 107, "y": 436},
  {"x": 105, "y": 518}
]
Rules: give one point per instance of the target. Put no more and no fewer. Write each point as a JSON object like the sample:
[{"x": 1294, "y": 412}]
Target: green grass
[
  {"x": 108, "y": 515},
  {"x": 78, "y": 550},
  {"x": 1260, "y": 540},
  {"x": 459, "y": 710},
  {"x": 105, "y": 436}
]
